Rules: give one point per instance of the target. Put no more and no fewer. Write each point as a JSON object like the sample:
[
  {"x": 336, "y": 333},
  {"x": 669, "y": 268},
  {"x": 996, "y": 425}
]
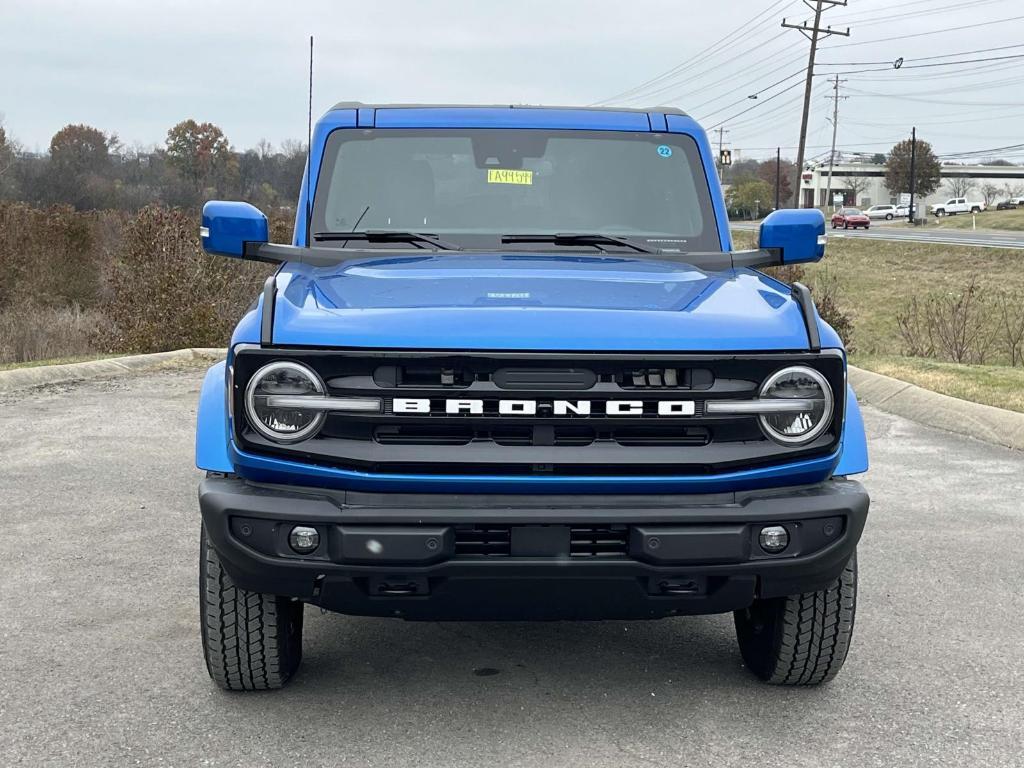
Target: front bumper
[{"x": 407, "y": 555}]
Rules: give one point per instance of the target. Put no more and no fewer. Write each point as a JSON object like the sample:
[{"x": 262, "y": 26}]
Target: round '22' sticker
[{"x": 665, "y": 151}]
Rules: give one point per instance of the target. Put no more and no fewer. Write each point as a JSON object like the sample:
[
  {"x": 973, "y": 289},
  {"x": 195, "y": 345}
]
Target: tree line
[{"x": 92, "y": 170}]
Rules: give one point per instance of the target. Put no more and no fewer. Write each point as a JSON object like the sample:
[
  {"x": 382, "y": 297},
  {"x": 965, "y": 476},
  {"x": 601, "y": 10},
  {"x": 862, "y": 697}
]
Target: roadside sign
[
  {"x": 837, "y": 198},
  {"x": 904, "y": 198}
]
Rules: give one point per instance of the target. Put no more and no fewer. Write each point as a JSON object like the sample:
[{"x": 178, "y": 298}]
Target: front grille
[
  {"x": 600, "y": 541},
  {"x": 483, "y": 541},
  {"x": 596, "y": 541},
  {"x": 551, "y": 440}
]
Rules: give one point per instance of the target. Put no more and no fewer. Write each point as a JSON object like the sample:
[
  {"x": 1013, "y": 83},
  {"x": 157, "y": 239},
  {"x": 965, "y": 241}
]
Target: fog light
[
  {"x": 773, "y": 539},
  {"x": 304, "y": 539}
]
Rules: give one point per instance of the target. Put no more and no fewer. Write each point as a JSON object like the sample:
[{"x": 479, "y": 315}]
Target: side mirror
[
  {"x": 797, "y": 234},
  {"x": 228, "y": 226}
]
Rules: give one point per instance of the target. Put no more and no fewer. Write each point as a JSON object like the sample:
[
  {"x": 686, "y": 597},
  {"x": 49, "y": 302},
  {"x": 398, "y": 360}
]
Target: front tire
[
  {"x": 800, "y": 639},
  {"x": 888, "y": 217},
  {"x": 251, "y": 641}
]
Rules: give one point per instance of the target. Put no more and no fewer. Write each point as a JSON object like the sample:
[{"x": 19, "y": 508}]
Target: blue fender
[
  {"x": 853, "y": 458},
  {"x": 212, "y": 422}
]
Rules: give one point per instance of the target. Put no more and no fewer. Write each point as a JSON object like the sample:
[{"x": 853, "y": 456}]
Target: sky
[{"x": 137, "y": 68}]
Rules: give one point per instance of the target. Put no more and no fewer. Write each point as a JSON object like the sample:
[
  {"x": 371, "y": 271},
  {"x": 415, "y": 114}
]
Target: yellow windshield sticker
[{"x": 503, "y": 176}]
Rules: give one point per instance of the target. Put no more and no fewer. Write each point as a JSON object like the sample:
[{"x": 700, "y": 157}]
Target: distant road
[{"x": 979, "y": 238}]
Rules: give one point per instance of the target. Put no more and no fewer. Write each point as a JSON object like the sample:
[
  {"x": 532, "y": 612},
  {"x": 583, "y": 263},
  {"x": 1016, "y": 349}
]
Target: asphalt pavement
[
  {"x": 879, "y": 230},
  {"x": 100, "y": 662}
]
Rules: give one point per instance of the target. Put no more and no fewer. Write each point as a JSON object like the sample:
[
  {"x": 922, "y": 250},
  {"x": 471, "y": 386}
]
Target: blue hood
[{"x": 536, "y": 302}]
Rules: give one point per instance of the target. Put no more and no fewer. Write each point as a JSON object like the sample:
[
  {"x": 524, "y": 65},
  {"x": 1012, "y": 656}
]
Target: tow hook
[
  {"x": 398, "y": 587},
  {"x": 678, "y": 587}
]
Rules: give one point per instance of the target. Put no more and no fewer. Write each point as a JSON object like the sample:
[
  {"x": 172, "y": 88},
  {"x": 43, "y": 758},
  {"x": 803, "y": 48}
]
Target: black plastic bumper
[{"x": 407, "y": 555}]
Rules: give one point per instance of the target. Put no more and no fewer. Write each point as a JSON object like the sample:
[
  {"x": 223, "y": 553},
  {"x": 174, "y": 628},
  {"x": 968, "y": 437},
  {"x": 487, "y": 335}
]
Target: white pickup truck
[{"x": 957, "y": 205}]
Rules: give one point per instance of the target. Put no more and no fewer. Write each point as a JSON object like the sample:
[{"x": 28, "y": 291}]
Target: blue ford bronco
[{"x": 510, "y": 367}]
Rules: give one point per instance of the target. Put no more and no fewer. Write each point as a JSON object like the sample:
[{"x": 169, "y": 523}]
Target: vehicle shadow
[{"x": 385, "y": 658}]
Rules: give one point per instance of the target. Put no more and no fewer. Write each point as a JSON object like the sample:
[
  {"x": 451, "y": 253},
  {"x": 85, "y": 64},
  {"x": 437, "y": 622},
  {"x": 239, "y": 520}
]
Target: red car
[{"x": 850, "y": 218}]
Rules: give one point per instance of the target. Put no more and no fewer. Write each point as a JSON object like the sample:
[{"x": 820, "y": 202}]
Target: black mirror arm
[
  {"x": 274, "y": 253},
  {"x": 761, "y": 257}
]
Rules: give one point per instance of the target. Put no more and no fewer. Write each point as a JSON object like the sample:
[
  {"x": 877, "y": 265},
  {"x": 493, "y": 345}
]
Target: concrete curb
[
  {"x": 20, "y": 378},
  {"x": 984, "y": 422}
]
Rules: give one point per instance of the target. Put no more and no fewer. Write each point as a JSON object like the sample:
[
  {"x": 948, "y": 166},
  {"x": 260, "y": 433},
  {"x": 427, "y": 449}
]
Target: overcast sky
[{"x": 137, "y": 67}]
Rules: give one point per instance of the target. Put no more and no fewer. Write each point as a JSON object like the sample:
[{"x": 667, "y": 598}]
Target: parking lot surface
[{"x": 100, "y": 662}]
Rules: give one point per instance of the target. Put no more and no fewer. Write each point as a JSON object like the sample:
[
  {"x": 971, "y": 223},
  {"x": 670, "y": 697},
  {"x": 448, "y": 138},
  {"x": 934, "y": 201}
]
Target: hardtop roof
[{"x": 577, "y": 108}]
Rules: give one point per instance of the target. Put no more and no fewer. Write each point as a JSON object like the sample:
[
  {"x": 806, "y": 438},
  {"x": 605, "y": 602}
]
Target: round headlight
[
  {"x": 283, "y": 379},
  {"x": 807, "y": 414}
]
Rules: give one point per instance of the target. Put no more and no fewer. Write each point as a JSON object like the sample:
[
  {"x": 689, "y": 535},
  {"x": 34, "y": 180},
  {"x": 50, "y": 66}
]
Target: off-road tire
[
  {"x": 800, "y": 639},
  {"x": 251, "y": 641}
]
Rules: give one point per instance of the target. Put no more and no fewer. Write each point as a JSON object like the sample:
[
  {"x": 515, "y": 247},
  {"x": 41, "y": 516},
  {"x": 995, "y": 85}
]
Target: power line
[
  {"x": 933, "y": 64},
  {"x": 921, "y": 58},
  {"x": 933, "y": 32},
  {"x": 748, "y": 109},
  {"x": 869, "y": 21},
  {"x": 729, "y": 77},
  {"x": 703, "y": 54},
  {"x": 712, "y": 67},
  {"x": 755, "y": 94}
]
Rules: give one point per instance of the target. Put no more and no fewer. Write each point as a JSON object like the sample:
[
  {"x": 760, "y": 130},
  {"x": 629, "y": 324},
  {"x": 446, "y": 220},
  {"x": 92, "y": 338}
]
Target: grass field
[
  {"x": 996, "y": 385},
  {"x": 876, "y": 279},
  {"x": 1010, "y": 221}
]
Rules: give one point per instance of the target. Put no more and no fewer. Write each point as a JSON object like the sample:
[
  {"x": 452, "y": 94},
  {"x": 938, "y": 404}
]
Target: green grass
[
  {"x": 877, "y": 278},
  {"x": 56, "y": 361},
  {"x": 1009, "y": 221},
  {"x": 996, "y": 385}
]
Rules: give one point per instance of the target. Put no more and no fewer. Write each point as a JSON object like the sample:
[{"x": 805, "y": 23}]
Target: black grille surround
[{"x": 443, "y": 444}]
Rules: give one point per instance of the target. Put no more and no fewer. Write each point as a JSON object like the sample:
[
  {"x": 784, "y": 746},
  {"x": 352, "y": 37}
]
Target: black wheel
[
  {"x": 800, "y": 639},
  {"x": 975, "y": 210},
  {"x": 251, "y": 641},
  {"x": 888, "y": 217},
  {"x": 940, "y": 212},
  {"x": 833, "y": 225},
  {"x": 846, "y": 226}
]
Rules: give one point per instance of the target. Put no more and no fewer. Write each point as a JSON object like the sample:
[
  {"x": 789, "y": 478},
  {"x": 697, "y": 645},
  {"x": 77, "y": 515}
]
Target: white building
[{"x": 863, "y": 183}]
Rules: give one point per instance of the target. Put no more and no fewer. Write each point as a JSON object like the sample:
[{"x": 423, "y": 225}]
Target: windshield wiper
[
  {"x": 576, "y": 238},
  {"x": 388, "y": 236}
]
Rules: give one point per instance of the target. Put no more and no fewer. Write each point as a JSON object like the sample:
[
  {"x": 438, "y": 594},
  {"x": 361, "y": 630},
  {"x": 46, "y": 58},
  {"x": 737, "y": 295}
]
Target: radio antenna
[{"x": 309, "y": 147}]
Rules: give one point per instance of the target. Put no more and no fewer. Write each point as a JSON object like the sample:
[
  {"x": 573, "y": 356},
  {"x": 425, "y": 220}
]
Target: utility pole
[
  {"x": 812, "y": 33},
  {"x": 721, "y": 141},
  {"x": 778, "y": 175},
  {"x": 835, "y": 126},
  {"x": 913, "y": 179}
]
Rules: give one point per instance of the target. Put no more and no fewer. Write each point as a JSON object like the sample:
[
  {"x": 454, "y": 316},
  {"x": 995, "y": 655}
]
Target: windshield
[{"x": 474, "y": 186}]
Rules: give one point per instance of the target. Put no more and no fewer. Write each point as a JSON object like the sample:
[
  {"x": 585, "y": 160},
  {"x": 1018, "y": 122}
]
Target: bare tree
[
  {"x": 1013, "y": 190},
  {"x": 1011, "y": 321},
  {"x": 959, "y": 186},
  {"x": 855, "y": 186},
  {"x": 989, "y": 192}
]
